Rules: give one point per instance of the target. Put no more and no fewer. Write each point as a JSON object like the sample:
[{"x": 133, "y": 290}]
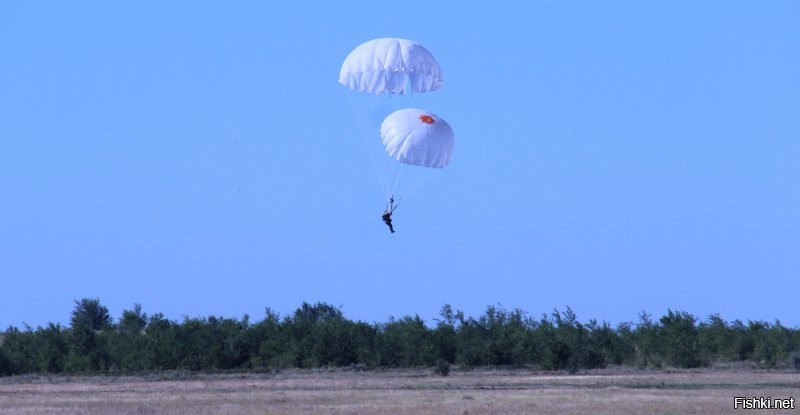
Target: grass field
[{"x": 611, "y": 391}]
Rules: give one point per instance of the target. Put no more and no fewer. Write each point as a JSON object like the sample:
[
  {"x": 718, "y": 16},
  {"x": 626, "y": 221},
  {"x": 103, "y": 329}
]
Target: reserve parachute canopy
[
  {"x": 390, "y": 66},
  {"x": 418, "y": 137}
]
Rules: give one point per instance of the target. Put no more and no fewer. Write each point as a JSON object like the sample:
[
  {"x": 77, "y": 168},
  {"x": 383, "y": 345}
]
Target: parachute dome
[
  {"x": 418, "y": 137},
  {"x": 390, "y": 66}
]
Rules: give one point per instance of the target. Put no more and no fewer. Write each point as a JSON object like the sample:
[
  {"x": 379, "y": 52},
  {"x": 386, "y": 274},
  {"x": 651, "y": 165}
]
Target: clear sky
[{"x": 201, "y": 159}]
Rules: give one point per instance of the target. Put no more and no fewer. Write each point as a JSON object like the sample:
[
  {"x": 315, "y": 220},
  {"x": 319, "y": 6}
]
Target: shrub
[
  {"x": 794, "y": 360},
  {"x": 442, "y": 367}
]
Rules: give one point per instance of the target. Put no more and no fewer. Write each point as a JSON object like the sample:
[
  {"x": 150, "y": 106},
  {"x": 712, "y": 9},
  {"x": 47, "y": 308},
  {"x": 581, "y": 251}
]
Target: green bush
[
  {"x": 794, "y": 360},
  {"x": 442, "y": 367},
  {"x": 678, "y": 336}
]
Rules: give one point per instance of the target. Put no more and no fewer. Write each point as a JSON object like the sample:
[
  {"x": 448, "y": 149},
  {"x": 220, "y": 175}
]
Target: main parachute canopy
[
  {"x": 390, "y": 66},
  {"x": 418, "y": 137}
]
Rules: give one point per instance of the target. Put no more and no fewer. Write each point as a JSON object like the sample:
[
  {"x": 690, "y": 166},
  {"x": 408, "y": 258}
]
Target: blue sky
[{"x": 200, "y": 158}]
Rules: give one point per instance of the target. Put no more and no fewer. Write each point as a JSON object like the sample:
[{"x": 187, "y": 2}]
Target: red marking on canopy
[{"x": 427, "y": 119}]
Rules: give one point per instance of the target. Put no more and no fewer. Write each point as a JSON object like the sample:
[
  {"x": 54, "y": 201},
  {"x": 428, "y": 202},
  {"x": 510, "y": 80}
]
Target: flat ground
[{"x": 610, "y": 391}]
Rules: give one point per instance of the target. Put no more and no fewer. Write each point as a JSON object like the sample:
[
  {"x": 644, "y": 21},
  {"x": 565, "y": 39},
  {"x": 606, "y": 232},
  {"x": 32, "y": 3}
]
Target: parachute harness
[{"x": 391, "y": 206}]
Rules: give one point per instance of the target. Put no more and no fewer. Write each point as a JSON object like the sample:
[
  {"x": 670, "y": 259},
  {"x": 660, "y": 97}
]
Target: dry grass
[{"x": 399, "y": 392}]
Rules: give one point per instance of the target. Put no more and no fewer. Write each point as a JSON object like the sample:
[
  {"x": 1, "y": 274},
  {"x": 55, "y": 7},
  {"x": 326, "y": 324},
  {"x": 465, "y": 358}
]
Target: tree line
[{"x": 319, "y": 335}]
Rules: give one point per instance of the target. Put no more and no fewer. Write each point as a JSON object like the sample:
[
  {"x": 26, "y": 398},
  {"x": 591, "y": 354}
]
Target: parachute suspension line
[
  {"x": 420, "y": 182},
  {"x": 396, "y": 181},
  {"x": 370, "y": 111},
  {"x": 398, "y": 176},
  {"x": 367, "y": 112},
  {"x": 411, "y": 179},
  {"x": 388, "y": 165}
]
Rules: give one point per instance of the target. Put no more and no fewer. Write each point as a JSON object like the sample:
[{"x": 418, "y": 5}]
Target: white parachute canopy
[
  {"x": 390, "y": 66},
  {"x": 418, "y": 137}
]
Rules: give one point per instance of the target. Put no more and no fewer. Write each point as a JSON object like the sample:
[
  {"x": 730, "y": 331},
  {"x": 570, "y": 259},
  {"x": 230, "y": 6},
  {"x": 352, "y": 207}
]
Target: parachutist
[
  {"x": 387, "y": 217},
  {"x": 387, "y": 214}
]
